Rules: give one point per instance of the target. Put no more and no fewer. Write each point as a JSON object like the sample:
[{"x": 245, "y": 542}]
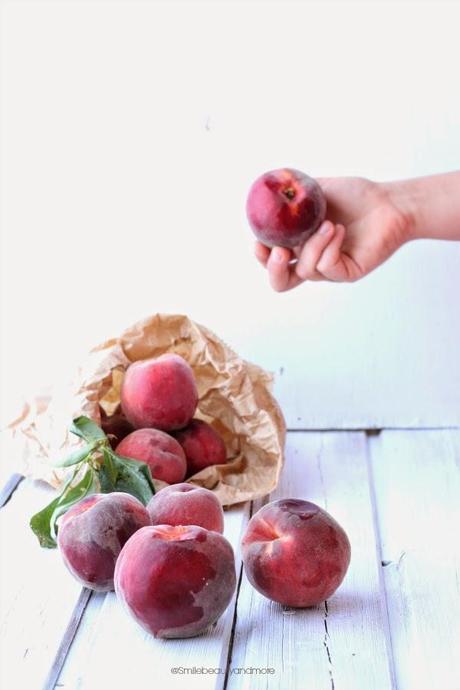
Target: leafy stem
[{"x": 96, "y": 468}]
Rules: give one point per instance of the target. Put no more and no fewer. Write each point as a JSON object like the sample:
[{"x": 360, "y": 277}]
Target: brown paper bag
[{"x": 234, "y": 396}]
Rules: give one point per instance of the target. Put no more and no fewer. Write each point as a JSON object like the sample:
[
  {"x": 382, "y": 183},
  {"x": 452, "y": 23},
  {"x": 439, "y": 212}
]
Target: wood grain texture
[
  {"x": 67, "y": 639},
  {"x": 37, "y": 594},
  {"x": 108, "y": 634},
  {"x": 393, "y": 624},
  {"x": 417, "y": 483},
  {"x": 342, "y": 643}
]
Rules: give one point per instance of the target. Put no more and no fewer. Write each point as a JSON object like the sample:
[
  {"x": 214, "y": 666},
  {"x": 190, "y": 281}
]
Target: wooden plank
[
  {"x": 108, "y": 633},
  {"x": 37, "y": 594},
  {"x": 343, "y": 643},
  {"x": 417, "y": 483},
  {"x": 9, "y": 488},
  {"x": 78, "y": 651},
  {"x": 66, "y": 642}
]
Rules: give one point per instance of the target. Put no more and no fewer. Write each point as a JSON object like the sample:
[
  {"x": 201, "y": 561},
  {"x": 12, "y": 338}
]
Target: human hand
[{"x": 363, "y": 228}]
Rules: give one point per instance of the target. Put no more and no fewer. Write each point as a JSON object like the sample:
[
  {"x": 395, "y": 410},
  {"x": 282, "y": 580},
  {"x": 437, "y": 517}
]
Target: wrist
[{"x": 403, "y": 199}]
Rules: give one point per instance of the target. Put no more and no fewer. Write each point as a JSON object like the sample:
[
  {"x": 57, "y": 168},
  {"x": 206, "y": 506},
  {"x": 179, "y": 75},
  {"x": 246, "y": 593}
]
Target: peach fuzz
[
  {"x": 159, "y": 393},
  {"x": 92, "y": 533},
  {"x": 175, "y": 581},
  {"x": 202, "y": 446},
  {"x": 185, "y": 504},
  {"x": 161, "y": 452},
  {"x": 295, "y": 553}
]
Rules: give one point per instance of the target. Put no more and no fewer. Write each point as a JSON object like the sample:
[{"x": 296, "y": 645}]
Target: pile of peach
[
  {"x": 168, "y": 562},
  {"x": 159, "y": 397},
  {"x": 174, "y": 571},
  {"x": 170, "y": 565}
]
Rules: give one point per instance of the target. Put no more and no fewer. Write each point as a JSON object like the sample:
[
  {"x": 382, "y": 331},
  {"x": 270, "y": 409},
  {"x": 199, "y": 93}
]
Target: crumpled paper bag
[{"x": 234, "y": 396}]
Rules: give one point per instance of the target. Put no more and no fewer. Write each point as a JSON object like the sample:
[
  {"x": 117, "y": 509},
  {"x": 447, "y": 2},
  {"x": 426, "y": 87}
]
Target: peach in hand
[
  {"x": 185, "y": 504},
  {"x": 295, "y": 553},
  {"x": 92, "y": 533},
  {"x": 160, "y": 393},
  {"x": 161, "y": 452},
  {"x": 285, "y": 207},
  {"x": 175, "y": 580},
  {"x": 202, "y": 446}
]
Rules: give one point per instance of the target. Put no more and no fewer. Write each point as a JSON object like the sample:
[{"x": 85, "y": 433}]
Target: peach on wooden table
[
  {"x": 175, "y": 581},
  {"x": 186, "y": 504},
  {"x": 295, "y": 553},
  {"x": 92, "y": 533}
]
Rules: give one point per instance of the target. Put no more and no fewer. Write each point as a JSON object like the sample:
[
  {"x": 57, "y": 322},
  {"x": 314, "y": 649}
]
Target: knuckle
[
  {"x": 322, "y": 266},
  {"x": 305, "y": 271}
]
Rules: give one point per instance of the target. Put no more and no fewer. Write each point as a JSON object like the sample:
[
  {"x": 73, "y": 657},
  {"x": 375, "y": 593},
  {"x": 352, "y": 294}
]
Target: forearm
[{"x": 430, "y": 205}]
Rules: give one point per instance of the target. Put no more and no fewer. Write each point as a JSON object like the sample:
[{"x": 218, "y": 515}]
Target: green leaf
[
  {"x": 133, "y": 477},
  {"x": 77, "y": 456},
  {"x": 85, "y": 428},
  {"x": 114, "y": 473},
  {"x": 108, "y": 473},
  {"x": 43, "y": 523},
  {"x": 87, "y": 486},
  {"x": 109, "y": 465}
]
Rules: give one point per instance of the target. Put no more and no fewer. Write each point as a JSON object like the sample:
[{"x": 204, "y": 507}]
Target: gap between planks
[
  {"x": 229, "y": 636},
  {"x": 233, "y": 621},
  {"x": 417, "y": 484},
  {"x": 93, "y": 652},
  {"x": 340, "y": 644},
  {"x": 68, "y": 638},
  {"x": 34, "y": 612},
  {"x": 379, "y": 556},
  {"x": 9, "y": 488}
]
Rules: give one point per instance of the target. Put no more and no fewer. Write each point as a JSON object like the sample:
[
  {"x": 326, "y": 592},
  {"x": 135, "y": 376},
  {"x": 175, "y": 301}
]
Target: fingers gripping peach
[
  {"x": 159, "y": 393},
  {"x": 175, "y": 580},
  {"x": 295, "y": 553}
]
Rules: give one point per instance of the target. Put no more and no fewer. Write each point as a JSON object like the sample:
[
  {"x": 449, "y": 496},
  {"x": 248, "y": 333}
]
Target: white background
[{"x": 130, "y": 133}]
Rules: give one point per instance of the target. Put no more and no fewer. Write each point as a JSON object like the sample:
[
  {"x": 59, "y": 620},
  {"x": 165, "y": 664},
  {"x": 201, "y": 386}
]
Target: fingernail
[
  {"x": 325, "y": 228},
  {"x": 278, "y": 256}
]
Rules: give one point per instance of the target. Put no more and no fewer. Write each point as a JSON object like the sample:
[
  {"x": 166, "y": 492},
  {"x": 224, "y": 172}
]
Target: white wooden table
[
  {"x": 394, "y": 622},
  {"x": 131, "y": 132}
]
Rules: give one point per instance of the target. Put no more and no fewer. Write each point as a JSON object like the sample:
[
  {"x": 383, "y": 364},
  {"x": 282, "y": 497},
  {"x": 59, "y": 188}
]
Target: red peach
[
  {"x": 116, "y": 426},
  {"x": 185, "y": 504},
  {"x": 161, "y": 452},
  {"x": 295, "y": 553},
  {"x": 285, "y": 207},
  {"x": 92, "y": 533},
  {"x": 175, "y": 580},
  {"x": 202, "y": 446},
  {"x": 159, "y": 393}
]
